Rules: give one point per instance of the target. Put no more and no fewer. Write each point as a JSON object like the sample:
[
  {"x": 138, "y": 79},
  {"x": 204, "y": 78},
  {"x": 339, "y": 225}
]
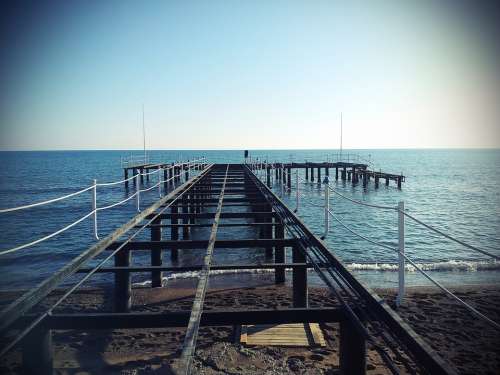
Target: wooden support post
[
  {"x": 156, "y": 255},
  {"x": 387, "y": 181},
  {"x": 37, "y": 352},
  {"x": 336, "y": 173},
  {"x": 327, "y": 171},
  {"x": 192, "y": 206},
  {"x": 349, "y": 173},
  {"x": 299, "y": 279},
  {"x": 312, "y": 174},
  {"x": 354, "y": 176},
  {"x": 343, "y": 175},
  {"x": 279, "y": 254},
  {"x": 307, "y": 174},
  {"x": 134, "y": 172},
  {"x": 125, "y": 175},
  {"x": 141, "y": 171},
  {"x": 165, "y": 183},
  {"x": 276, "y": 173},
  {"x": 174, "y": 232},
  {"x": 123, "y": 285},
  {"x": 365, "y": 179},
  {"x": 268, "y": 173},
  {"x": 185, "y": 210},
  {"x": 376, "y": 182},
  {"x": 289, "y": 178},
  {"x": 187, "y": 171},
  {"x": 352, "y": 350},
  {"x": 199, "y": 195},
  {"x": 319, "y": 175},
  {"x": 399, "y": 182}
]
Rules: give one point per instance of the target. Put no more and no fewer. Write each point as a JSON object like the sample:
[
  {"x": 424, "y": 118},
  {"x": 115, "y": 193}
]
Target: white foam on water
[
  {"x": 451, "y": 265},
  {"x": 195, "y": 274}
]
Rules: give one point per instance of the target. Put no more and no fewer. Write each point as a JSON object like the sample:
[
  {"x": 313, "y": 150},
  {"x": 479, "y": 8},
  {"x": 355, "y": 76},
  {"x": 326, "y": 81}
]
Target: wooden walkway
[{"x": 223, "y": 196}]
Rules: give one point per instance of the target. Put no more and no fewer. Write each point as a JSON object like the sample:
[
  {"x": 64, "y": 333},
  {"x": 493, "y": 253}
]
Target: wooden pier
[
  {"x": 344, "y": 171},
  {"x": 224, "y": 196}
]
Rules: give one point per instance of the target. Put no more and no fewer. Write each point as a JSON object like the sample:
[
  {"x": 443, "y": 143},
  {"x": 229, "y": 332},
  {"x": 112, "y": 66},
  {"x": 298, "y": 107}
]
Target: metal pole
[
  {"x": 138, "y": 192},
  {"x": 326, "y": 182},
  {"x": 401, "y": 250},
  {"x": 94, "y": 208},
  {"x": 297, "y": 189}
]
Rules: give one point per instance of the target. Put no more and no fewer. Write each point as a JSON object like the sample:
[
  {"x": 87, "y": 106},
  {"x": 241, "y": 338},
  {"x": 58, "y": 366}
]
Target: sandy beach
[{"x": 467, "y": 343}]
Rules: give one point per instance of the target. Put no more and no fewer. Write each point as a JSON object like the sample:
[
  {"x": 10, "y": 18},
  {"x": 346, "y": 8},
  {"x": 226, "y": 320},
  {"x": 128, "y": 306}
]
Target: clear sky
[{"x": 253, "y": 74}]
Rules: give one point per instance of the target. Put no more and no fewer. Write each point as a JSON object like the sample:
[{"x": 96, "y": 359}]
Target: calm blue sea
[{"x": 456, "y": 191}]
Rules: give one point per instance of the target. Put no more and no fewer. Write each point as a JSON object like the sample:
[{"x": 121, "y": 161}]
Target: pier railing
[
  {"x": 167, "y": 176},
  {"x": 285, "y": 187},
  {"x": 133, "y": 160}
]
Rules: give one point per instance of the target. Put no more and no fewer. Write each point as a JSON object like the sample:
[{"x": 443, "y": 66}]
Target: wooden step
[{"x": 299, "y": 334}]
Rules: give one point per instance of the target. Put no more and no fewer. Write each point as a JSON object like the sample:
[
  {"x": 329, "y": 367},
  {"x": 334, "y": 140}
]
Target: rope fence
[
  {"x": 183, "y": 169},
  {"x": 398, "y": 249}
]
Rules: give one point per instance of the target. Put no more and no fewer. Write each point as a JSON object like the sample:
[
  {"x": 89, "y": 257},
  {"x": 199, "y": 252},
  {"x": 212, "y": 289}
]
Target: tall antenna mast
[
  {"x": 144, "y": 133},
  {"x": 341, "y": 136}
]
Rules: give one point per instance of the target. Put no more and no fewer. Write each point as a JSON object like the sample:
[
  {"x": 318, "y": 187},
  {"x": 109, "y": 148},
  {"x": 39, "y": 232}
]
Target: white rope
[
  {"x": 359, "y": 235},
  {"x": 3, "y": 252},
  {"x": 353, "y": 200},
  {"x": 311, "y": 203},
  {"x": 46, "y": 202},
  {"x": 115, "y": 182},
  {"x": 150, "y": 188},
  {"x": 116, "y": 204},
  {"x": 484, "y": 317},
  {"x": 451, "y": 238},
  {"x": 148, "y": 173},
  {"x": 362, "y": 203}
]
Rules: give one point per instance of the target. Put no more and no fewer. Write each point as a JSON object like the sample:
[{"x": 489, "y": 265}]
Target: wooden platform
[{"x": 299, "y": 334}]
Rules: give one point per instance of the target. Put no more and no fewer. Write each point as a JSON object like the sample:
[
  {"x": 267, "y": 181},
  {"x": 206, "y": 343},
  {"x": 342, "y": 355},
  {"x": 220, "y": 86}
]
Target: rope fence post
[
  {"x": 94, "y": 208},
  {"x": 297, "y": 192},
  {"x": 326, "y": 182},
  {"x": 138, "y": 192},
  {"x": 401, "y": 251}
]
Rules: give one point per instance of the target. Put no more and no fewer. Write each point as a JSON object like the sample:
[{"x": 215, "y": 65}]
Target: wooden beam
[
  {"x": 191, "y": 337},
  {"x": 135, "y": 320},
  {"x": 201, "y": 244}
]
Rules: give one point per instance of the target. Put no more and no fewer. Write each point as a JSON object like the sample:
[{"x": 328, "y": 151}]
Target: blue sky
[{"x": 259, "y": 74}]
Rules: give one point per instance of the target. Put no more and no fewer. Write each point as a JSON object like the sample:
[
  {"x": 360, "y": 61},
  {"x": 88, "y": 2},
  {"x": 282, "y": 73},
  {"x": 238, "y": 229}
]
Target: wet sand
[{"x": 468, "y": 344}]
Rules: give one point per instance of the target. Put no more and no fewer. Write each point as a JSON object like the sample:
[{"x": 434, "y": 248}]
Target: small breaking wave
[
  {"x": 194, "y": 274},
  {"x": 450, "y": 265},
  {"x": 447, "y": 266}
]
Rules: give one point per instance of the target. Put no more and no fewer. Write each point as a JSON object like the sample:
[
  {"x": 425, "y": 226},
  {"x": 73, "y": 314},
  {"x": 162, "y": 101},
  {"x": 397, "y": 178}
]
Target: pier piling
[
  {"x": 37, "y": 352},
  {"x": 299, "y": 278},
  {"x": 156, "y": 254},
  {"x": 123, "y": 285},
  {"x": 174, "y": 231},
  {"x": 352, "y": 350},
  {"x": 279, "y": 253}
]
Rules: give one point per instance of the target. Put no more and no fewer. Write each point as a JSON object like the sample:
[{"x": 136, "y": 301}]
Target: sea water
[{"x": 456, "y": 191}]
